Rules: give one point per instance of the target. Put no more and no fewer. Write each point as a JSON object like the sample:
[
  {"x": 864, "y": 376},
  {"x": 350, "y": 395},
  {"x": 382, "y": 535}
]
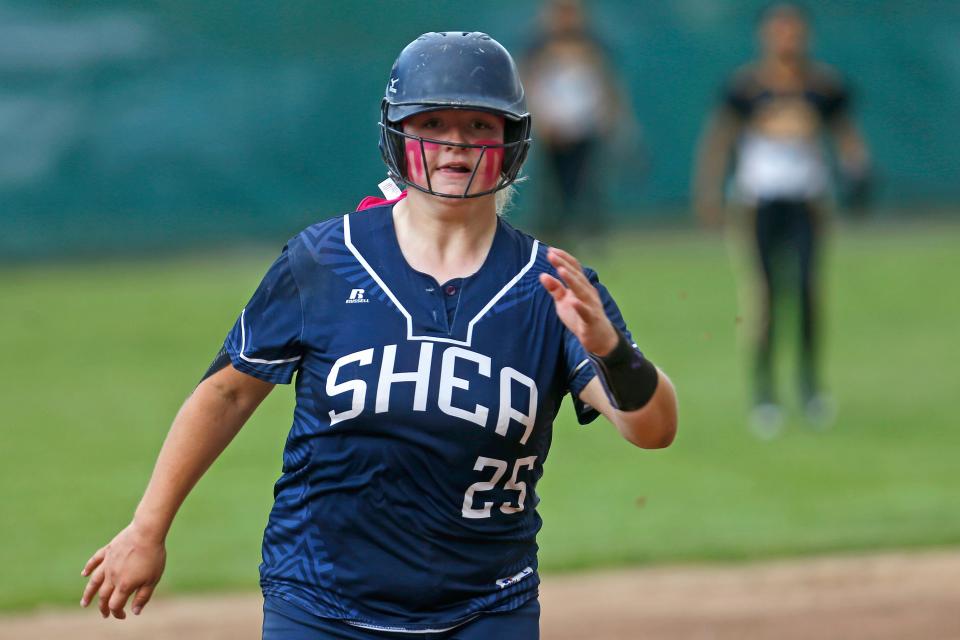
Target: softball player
[
  {"x": 774, "y": 115},
  {"x": 432, "y": 345}
]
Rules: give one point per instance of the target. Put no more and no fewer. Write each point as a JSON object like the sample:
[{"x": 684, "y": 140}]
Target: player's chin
[{"x": 459, "y": 186}]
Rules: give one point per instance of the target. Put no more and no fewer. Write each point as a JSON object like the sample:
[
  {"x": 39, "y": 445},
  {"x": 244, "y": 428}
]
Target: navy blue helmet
[{"x": 455, "y": 70}]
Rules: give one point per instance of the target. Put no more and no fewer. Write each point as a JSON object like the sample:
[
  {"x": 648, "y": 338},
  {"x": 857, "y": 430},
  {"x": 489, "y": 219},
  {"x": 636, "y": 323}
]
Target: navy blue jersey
[
  {"x": 422, "y": 422},
  {"x": 750, "y": 97},
  {"x": 780, "y": 153}
]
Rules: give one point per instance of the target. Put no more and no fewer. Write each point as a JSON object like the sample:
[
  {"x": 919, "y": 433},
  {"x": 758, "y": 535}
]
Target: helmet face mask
[
  {"x": 454, "y": 70},
  {"x": 394, "y": 145}
]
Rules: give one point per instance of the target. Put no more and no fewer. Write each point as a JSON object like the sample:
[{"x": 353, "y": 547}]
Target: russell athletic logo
[{"x": 356, "y": 297}]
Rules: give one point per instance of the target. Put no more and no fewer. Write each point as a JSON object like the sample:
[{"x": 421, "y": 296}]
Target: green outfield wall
[{"x": 130, "y": 126}]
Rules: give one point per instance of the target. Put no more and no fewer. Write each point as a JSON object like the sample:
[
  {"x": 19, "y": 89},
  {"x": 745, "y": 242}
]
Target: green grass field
[{"x": 98, "y": 357}]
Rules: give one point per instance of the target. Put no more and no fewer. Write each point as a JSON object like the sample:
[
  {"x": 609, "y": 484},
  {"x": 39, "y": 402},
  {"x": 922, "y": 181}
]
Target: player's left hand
[{"x": 578, "y": 304}]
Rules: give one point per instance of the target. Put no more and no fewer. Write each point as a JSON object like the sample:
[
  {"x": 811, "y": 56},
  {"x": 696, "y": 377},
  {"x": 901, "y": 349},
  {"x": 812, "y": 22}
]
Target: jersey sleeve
[
  {"x": 835, "y": 102},
  {"x": 580, "y": 370},
  {"x": 265, "y": 342},
  {"x": 737, "y": 97}
]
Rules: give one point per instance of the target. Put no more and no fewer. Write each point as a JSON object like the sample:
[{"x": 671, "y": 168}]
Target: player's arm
[
  {"x": 712, "y": 164},
  {"x": 646, "y": 414},
  {"x": 851, "y": 146},
  {"x": 652, "y": 426},
  {"x": 206, "y": 423},
  {"x": 854, "y": 159}
]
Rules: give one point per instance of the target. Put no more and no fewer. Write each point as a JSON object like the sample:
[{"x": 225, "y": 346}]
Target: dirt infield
[{"x": 877, "y": 597}]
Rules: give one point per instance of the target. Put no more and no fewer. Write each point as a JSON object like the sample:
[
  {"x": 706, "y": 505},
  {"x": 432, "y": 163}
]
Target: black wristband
[{"x": 628, "y": 378}]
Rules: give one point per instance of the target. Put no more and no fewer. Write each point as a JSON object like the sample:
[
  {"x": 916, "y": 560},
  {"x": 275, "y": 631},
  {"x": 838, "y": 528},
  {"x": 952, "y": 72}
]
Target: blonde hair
[{"x": 504, "y": 197}]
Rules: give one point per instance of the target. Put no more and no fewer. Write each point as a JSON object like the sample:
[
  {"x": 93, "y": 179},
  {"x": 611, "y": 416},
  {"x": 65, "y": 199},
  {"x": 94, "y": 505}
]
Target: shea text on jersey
[{"x": 453, "y": 360}]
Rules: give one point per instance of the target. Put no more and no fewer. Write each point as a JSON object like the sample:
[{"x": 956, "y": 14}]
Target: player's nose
[{"x": 458, "y": 135}]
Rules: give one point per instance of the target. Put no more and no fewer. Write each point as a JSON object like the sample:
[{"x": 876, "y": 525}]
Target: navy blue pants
[
  {"x": 285, "y": 621},
  {"x": 786, "y": 235},
  {"x": 578, "y": 211}
]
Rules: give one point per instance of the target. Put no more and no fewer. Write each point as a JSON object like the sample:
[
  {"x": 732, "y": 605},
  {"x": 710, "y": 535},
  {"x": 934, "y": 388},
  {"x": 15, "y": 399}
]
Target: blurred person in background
[
  {"x": 770, "y": 126},
  {"x": 577, "y": 106}
]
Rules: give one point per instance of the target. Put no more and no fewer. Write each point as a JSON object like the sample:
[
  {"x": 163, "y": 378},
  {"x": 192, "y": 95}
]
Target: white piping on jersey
[
  {"x": 376, "y": 627},
  {"x": 582, "y": 364},
  {"x": 243, "y": 346},
  {"x": 466, "y": 343}
]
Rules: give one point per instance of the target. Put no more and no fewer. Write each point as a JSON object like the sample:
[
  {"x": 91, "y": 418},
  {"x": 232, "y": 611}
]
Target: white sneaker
[
  {"x": 766, "y": 420},
  {"x": 820, "y": 411}
]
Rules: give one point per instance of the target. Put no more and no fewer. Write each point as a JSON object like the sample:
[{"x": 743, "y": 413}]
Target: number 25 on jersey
[{"x": 513, "y": 484}]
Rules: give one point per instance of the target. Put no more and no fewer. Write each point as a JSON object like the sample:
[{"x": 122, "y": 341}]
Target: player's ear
[
  {"x": 392, "y": 144},
  {"x": 513, "y": 157}
]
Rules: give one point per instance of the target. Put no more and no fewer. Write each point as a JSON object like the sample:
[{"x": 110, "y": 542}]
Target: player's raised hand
[
  {"x": 131, "y": 563},
  {"x": 578, "y": 304}
]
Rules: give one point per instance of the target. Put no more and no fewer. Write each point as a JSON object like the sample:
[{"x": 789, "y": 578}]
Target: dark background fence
[{"x": 129, "y": 126}]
